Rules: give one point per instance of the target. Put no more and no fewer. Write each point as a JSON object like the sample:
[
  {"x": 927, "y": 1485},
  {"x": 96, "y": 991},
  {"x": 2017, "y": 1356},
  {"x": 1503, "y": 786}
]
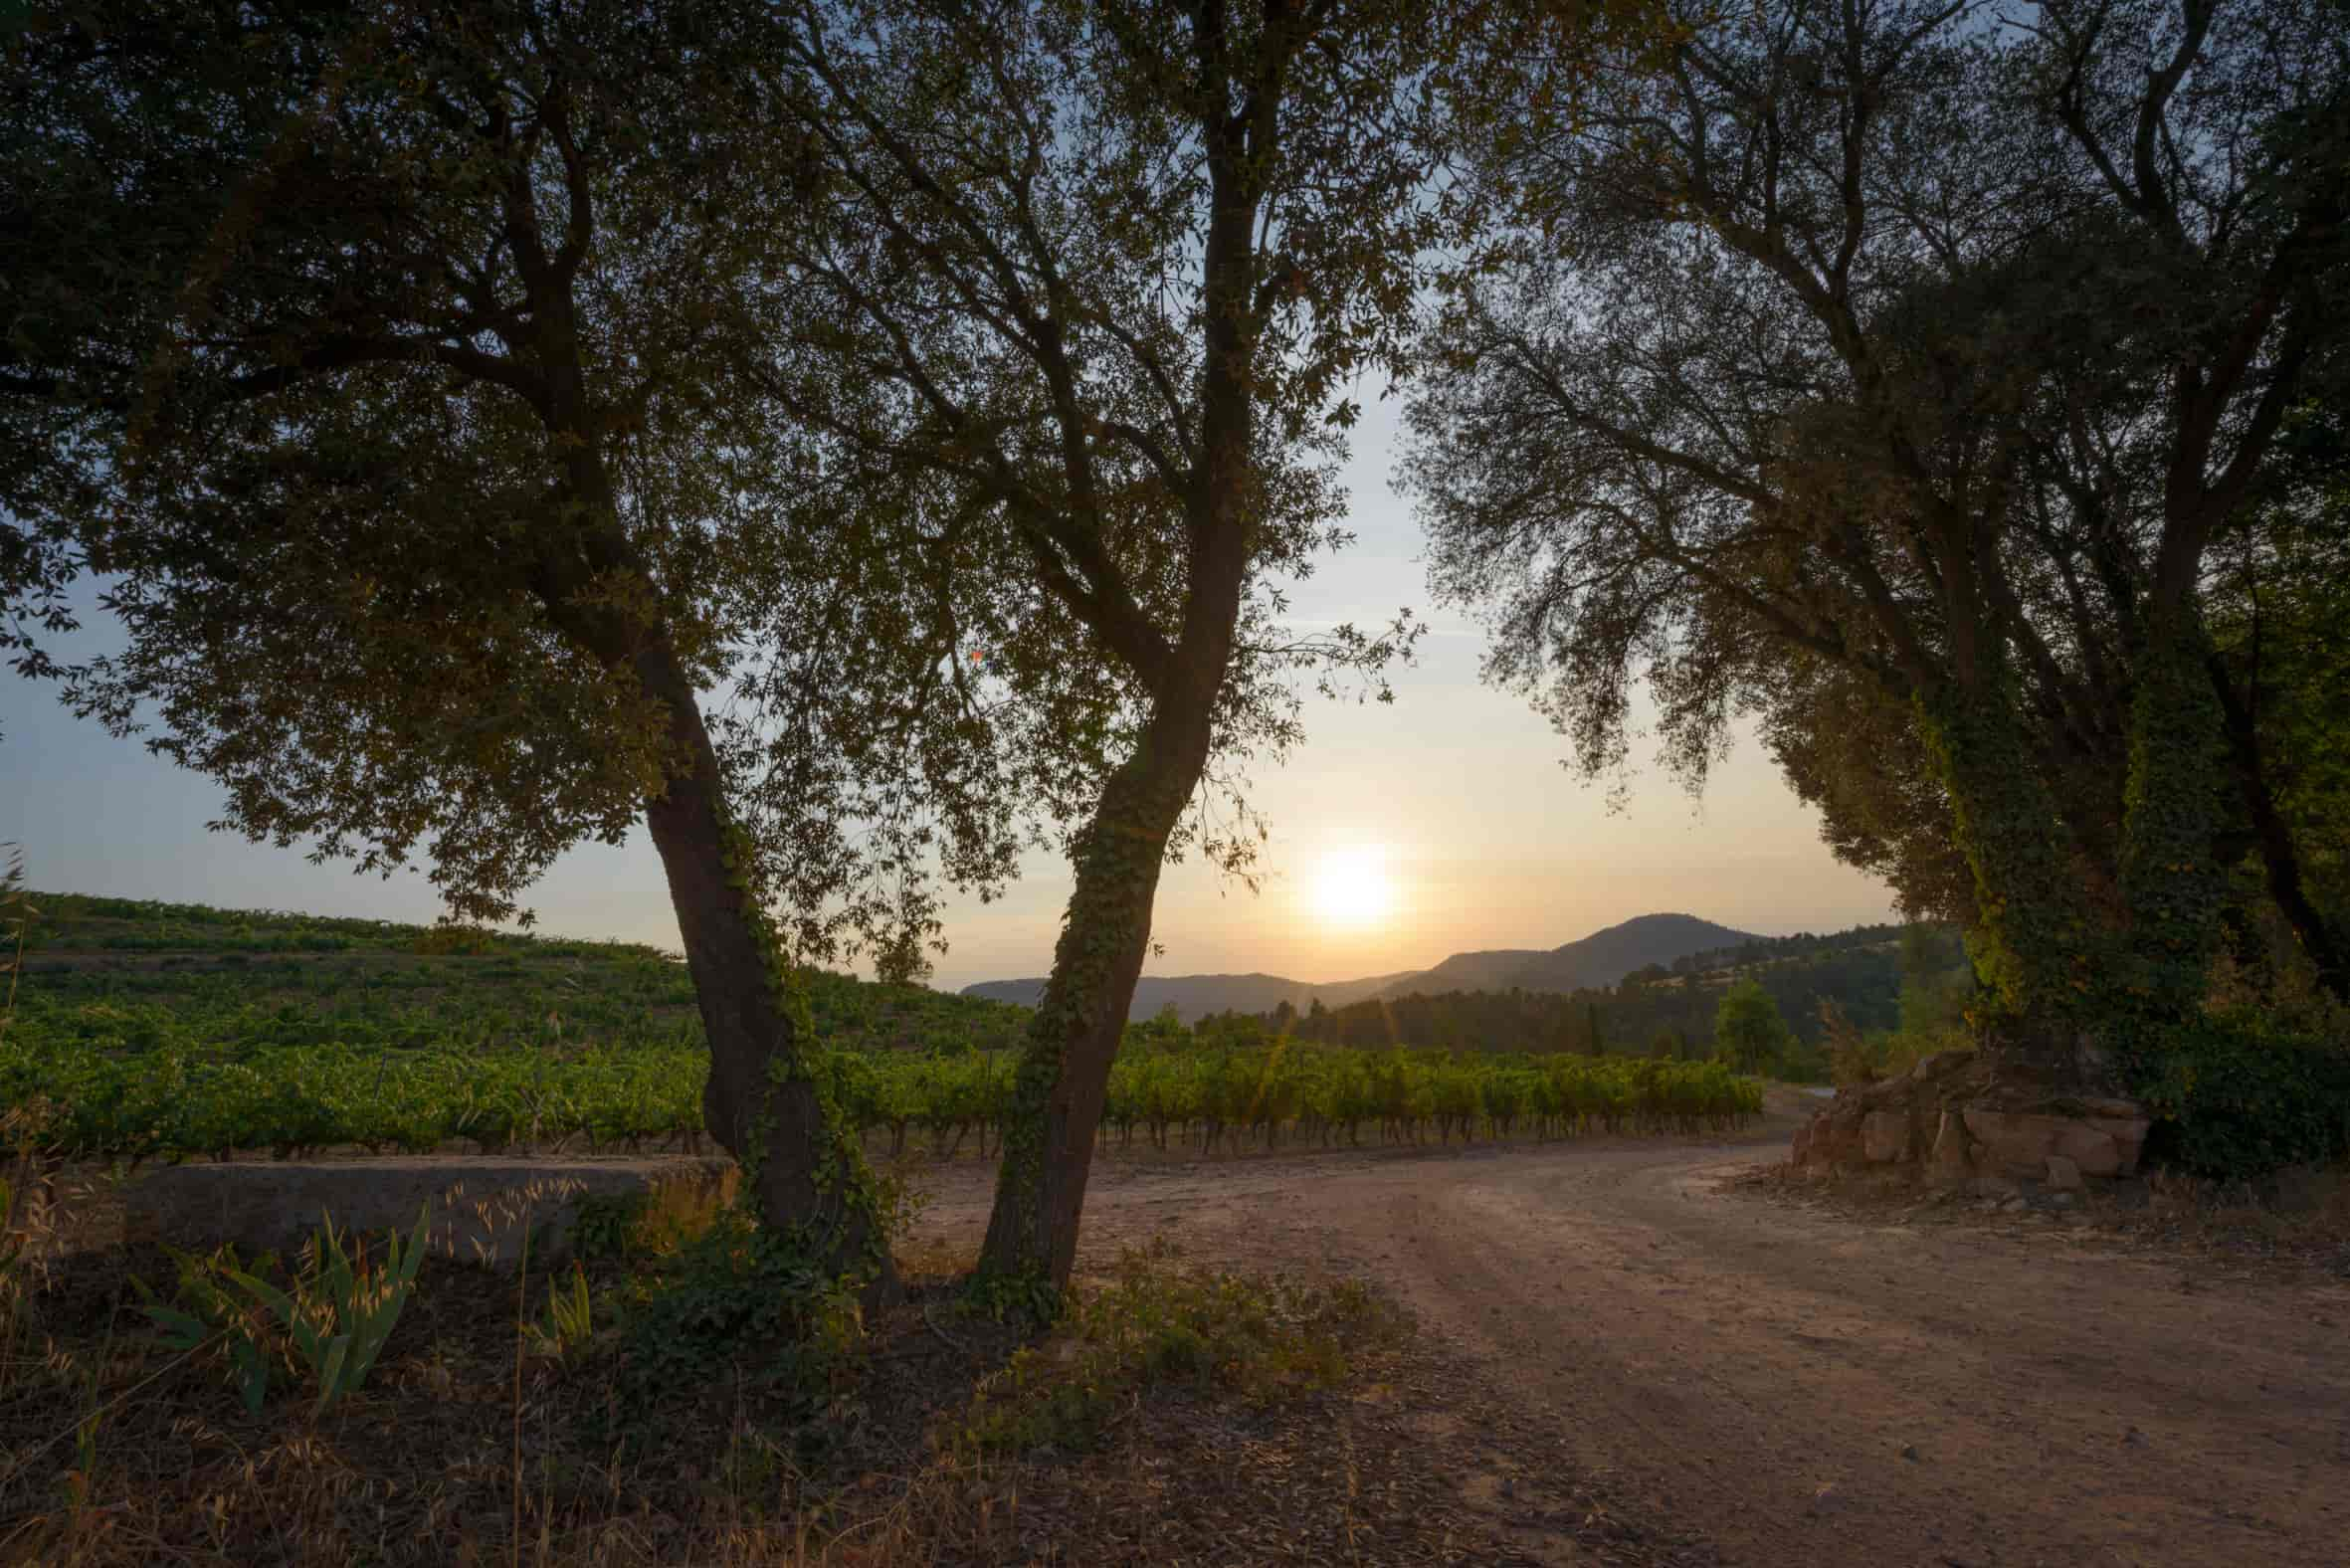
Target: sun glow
[{"x": 1352, "y": 889}]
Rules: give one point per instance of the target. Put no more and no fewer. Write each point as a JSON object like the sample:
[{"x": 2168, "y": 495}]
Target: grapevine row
[{"x": 172, "y": 1103}]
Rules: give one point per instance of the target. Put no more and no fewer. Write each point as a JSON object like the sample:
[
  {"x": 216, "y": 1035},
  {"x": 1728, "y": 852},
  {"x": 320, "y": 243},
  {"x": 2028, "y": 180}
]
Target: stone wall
[
  {"x": 1949, "y": 1118},
  {"x": 479, "y": 1209}
]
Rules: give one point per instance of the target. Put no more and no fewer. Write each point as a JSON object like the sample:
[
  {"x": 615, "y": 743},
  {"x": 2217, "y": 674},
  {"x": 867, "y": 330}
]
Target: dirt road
[{"x": 1794, "y": 1387}]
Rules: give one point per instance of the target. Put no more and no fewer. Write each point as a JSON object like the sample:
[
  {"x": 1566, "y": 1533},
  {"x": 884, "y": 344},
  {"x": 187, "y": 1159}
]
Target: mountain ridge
[{"x": 1600, "y": 958}]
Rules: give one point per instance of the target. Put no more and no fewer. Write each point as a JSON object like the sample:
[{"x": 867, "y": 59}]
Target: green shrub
[
  {"x": 341, "y": 1310},
  {"x": 566, "y": 1331},
  {"x": 2236, "y": 1095},
  {"x": 200, "y": 1310},
  {"x": 333, "y": 1318},
  {"x": 733, "y": 1294}
]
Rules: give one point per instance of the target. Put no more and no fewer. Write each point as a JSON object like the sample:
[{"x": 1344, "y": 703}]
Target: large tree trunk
[
  {"x": 2173, "y": 811},
  {"x": 1064, "y": 1073},
  {"x": 2070, "y": 986},
  {"x": 768, "y": 1101},
  {"x": 1063, "y": 1076},
  {"x": 2327, "y": 948},
  {"x": 2046, "y": 954}
]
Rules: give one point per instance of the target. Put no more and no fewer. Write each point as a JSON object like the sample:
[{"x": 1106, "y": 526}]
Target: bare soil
[{"x": 1637, "y": 1329}]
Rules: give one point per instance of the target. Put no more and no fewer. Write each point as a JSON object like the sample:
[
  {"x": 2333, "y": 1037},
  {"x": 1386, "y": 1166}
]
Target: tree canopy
[
  {"x": 392, "y": 372},
  {"x": 1103, "y": 278},
  {"x": 1897, "y": 374},
  {"x": 853, "y": 440},
  {"x": 1748, "y": 1032}
]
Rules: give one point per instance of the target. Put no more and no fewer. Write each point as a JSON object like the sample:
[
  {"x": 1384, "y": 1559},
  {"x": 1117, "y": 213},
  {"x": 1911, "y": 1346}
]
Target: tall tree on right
[{"x": 1903, "y": 360}]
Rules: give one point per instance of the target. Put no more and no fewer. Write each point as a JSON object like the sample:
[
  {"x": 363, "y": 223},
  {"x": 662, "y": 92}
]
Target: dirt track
[{"x": 1794, "y": 1387}]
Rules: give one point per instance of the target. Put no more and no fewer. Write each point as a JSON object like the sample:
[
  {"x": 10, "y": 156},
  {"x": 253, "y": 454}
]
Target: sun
[{"x": 1351, "y": 887}]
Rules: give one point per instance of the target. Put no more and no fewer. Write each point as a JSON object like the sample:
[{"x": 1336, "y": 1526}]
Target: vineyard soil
[{"x": 1794, "y": 1385}]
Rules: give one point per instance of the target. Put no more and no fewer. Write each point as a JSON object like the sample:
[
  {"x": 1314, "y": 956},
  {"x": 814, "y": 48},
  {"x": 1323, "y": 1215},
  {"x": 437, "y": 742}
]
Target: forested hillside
[
  {"x": 1600, "y": 959},
  {"x": 1884, "y": 978}
]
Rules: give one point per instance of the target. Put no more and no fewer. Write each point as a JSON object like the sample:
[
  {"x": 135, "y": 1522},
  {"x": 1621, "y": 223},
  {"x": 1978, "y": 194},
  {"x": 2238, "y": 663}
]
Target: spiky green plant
[{"x": 342, "y": 1310}]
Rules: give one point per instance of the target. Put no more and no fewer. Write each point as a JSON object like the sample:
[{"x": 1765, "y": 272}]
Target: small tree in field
[{"x": 1748, "y": 1032}]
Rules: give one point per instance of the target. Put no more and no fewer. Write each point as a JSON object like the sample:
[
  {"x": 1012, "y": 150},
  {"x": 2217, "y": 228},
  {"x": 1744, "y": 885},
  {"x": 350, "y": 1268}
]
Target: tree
[
  {"x": 1748, "y": 1032},
  {"x": 1936, "y": 986},
  {"x": 1105, "y": 275},
  {"x": 1858, "y": 758},
  {"x": 2279, "y": 596},
  {"x": 1893, "y": 365},
  {"x": 393, "y": 365}
]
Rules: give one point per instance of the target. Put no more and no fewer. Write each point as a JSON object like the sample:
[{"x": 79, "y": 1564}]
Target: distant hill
[
  {"x": 1601, "y": 959},
  {"x": 1493, "y": 969},
  {"x": 1669, "y": 1009},
  {"x": 1605, "y": 957},
  {"x": 1196, "y": 996}
]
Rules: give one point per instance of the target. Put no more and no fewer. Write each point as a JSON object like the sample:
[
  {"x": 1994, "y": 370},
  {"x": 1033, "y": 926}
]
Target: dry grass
[
  {"x": 2291, "y": 1224},
  {"x": 2299, "y": 1216},
  {"x": 463, "y": 1448}
]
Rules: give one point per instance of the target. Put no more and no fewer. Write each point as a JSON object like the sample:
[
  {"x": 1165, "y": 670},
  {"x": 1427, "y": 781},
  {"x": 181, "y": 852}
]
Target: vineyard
[{"x": 147, "y": 1031}]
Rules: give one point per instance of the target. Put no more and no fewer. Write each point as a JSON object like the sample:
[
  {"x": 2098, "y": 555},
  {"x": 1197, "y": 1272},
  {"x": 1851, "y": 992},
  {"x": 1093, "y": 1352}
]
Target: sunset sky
[{"x": 1400, "y": 834}]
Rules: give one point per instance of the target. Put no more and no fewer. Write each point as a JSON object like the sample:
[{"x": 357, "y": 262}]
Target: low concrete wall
[{"x": 480, "y": 1208}]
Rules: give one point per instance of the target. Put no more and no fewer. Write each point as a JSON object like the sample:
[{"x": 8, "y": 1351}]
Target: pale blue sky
[{"x": 1487, "y": 841}]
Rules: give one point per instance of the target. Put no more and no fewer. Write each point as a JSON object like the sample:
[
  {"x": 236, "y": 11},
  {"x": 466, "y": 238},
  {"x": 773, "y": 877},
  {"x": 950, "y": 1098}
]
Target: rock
[
  {"x": 1884, "y": 1137},
  {"x": 2013, "y": 1142},
  {"x": 1950, "y": 1159},
  {"x": 1880, "y": 1124},
  {"x": 2015, "y": 1205},
  {"x": 2093, "y": 1149},
  {"x": 1993, "y": 1187},
  {"x": 1957, "y": 1117},
  {"x": 2063, "y": 1174},
  {"x": 2020, "y": 1141},
  {"x": 479, "y": 1207},
  {"x": 1909, "y": 1451},
  {"x": 2063, "y": 1200}
]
